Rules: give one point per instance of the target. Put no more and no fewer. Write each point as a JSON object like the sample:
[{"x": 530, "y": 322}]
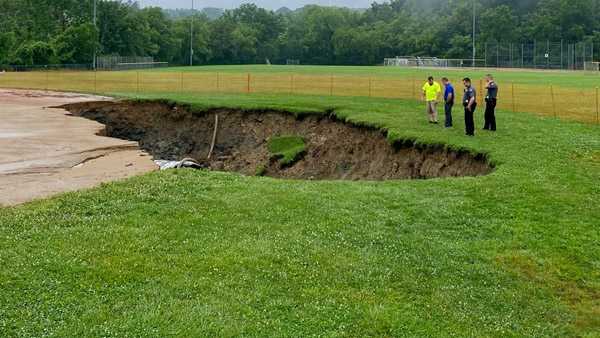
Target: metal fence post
[
  {"x": 597, "y": 106},
  {"x": 498, "y": 55},
  {"x": 522, "y": 55},
  {"x": 553, "y": 101},
  {"x": 485, "y": 55},
  {"x": 561, "y": 55},
  {"x": 481, "y": 96},
  {"x": 47, "y": 78},
  {"x": 182, "y": 82},
  {"x": 514, "y": 104},
  {"x": 331, "y": 86},
  {"x": 534, "y": 54}
]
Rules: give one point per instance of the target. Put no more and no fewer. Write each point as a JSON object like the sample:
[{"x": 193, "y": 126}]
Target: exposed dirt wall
[{"x": 335, "y": 149}]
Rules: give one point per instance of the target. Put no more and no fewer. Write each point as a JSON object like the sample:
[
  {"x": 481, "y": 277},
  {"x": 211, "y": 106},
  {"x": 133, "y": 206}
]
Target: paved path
[{"x": 45, "y": 151}]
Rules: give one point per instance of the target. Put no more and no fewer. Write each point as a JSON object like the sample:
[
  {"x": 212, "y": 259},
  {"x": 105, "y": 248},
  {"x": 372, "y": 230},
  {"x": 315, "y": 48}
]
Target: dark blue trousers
[{"x": 448, "y": 110}]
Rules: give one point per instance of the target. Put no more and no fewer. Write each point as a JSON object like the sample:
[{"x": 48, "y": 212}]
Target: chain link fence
[{"x": 539, "y": 55}]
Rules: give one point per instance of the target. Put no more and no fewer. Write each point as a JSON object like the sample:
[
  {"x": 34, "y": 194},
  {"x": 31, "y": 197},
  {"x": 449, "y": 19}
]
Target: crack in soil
[{"x": 335, "y": 150}]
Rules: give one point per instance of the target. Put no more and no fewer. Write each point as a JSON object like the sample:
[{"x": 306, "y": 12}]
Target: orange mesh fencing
[{"x": 548, "y": 99}]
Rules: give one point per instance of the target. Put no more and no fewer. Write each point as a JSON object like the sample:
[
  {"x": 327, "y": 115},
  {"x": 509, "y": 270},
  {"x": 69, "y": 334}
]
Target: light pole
[
  {"x": 192, "y": 36},
  {"x": 474, "y": 50},
  {"x": 96, "y": 28}
]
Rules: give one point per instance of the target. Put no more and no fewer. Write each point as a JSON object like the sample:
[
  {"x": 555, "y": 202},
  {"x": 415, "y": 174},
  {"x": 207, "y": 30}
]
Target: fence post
[
  {"x": 47, "y": 78},
  {"x": 553, "y": 102},
  {"x": 331, "y": 86},
  {"x": 597, "y": 106},
  {"x": 370, "y": 87},
  {"x": 96, "y": 81},
  {"x": 182, "y": 82},
  {"x": 481, "y": 90},
  {"x": 137, "y": 90},
  {"x": 248, "y": 88},
  {"x": 514, "y": 104},
  {"x": 218, "y": 82}
]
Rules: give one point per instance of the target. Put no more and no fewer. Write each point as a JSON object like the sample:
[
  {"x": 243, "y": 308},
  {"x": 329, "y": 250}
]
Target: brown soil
[
  {"x": 44, "y": 152},
  {"x": 335, "y": 149}
]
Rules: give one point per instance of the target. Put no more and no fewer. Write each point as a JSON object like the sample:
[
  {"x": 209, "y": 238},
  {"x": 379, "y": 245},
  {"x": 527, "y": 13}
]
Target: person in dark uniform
[
  {"x": 470, "y": 103},
  {"x": 490, "y": 103}
]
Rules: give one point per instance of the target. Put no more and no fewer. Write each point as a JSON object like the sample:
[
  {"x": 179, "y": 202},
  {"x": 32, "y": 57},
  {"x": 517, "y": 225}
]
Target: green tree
[
  {"x": 499, "y": 24},
  {"x": 77, "y": 44},
  {"x": 35, "y": 53}
]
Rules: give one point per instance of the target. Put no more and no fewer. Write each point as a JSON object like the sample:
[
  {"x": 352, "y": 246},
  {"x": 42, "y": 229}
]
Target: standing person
[
  {"x": 449, "y": 100},
  {"x": 431, "y": 92},
  {"x": 490, "y": 103},
  {"x": 470, "y": 103}
]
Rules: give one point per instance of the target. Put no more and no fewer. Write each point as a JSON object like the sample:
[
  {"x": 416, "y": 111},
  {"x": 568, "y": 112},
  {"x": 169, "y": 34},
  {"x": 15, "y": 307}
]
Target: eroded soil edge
[{"x": 335, "y": 149}]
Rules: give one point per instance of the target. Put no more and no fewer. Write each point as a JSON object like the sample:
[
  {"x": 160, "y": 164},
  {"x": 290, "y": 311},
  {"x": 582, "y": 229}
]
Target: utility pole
[
  {"x": 474, "y": 50},
  {"x": 192, "y": 36},
  {"x": 96, "y": 28}
]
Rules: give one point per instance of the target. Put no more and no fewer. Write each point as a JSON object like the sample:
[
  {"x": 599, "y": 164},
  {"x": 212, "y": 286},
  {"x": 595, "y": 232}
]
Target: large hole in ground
[{"x": 333, "y": 149}]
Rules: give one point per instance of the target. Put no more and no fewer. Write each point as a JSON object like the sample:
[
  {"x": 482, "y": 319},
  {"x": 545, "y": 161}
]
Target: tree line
[{"x": 37, "y": 32}]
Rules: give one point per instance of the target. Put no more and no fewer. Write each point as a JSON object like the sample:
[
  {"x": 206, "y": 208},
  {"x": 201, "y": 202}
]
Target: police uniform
[
  {"x": 470, "y": 93},
  {"x": 490, "y": 106}
]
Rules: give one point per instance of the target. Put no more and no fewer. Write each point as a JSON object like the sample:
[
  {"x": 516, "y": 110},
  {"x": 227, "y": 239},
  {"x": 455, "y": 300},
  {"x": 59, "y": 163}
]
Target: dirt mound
[{"x": 334, "y": 149}]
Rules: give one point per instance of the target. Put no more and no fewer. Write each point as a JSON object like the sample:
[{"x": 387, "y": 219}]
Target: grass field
[
  {"x": 566, "y": 79},
  {"x": 196, "y": 253},
  {"x": 569, "y": 95}
]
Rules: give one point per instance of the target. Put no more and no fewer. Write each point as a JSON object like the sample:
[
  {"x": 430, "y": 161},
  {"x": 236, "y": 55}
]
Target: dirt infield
[{"x": 45, "y": 151}]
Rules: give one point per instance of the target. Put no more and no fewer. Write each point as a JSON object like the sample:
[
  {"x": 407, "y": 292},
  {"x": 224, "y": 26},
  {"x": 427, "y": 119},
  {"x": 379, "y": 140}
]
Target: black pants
[
  {"x": 448, "y": 110},
  {"x": 469, "y": 120},
  {"x": 490, "y": 114}
]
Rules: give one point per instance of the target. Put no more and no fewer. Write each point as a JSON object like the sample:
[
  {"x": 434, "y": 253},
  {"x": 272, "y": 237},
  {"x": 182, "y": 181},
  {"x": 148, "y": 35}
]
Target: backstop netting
[
  {"x": 430, "y": 62},
  {"x": 592, "y": 68},
  {"x": 127, "y": 63}
]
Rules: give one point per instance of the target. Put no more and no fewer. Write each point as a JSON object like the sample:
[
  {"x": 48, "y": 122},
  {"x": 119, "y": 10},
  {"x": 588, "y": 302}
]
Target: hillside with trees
[{"x": 61, "y": 31}]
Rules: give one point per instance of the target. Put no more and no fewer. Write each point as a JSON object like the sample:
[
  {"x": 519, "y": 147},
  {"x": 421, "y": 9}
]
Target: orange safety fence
[{"x": 564, "y": 102}]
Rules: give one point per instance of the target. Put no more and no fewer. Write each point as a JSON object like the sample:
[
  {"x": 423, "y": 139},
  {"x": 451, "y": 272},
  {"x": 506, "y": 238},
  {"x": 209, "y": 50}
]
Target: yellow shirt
[{"x": 432, "y": 91}]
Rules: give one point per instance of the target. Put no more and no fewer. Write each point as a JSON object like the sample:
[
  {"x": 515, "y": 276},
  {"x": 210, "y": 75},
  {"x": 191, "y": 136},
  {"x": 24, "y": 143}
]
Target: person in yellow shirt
[{"x": 431, "y": 93}]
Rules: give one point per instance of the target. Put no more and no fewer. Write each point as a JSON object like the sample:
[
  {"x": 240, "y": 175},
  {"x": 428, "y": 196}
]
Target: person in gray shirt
[
  {"x": 470, "y": 104},
  {"x": 491, "y": 100}
]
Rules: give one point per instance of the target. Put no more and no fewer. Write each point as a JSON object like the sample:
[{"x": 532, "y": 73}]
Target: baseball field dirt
[{"x": 45, "y": 151}]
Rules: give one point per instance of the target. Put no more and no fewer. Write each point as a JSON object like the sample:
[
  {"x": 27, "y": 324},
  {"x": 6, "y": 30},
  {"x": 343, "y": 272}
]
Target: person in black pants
[
  {"x": 470, "y": 103},
  {"x": 491, "y": 100}
]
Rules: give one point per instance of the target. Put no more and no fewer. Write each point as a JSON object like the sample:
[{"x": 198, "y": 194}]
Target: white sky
[{"x": 271, "y": 4}]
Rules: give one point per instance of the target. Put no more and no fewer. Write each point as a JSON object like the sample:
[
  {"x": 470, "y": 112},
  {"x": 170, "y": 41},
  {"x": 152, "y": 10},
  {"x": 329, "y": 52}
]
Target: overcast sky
[{"x": 271, "y": 4}]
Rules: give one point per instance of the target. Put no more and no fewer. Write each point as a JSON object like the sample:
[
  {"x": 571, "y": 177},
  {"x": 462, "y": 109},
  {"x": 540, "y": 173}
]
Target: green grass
[
  {"x": 286, "y": 149},
  {"x": 566, "y": 79},
  {"x": 196, "y": 253}
]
